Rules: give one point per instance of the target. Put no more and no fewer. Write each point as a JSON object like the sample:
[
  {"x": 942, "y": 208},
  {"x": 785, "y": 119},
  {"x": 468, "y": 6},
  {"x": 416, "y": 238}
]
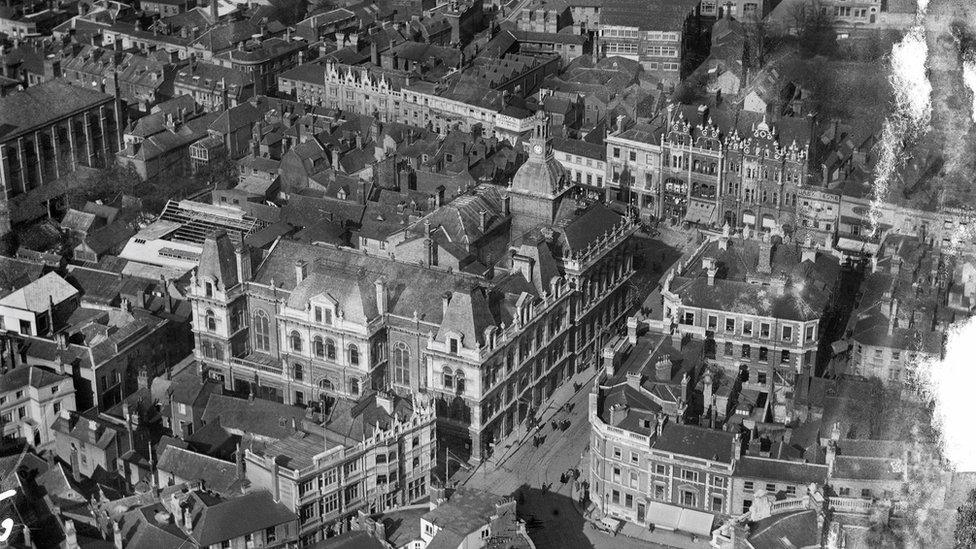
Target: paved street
[{"x": 532, "y": 474}]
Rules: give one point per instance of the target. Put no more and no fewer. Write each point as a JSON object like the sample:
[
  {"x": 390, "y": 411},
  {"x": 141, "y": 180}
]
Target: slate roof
[
  {"x": 780, "y": 470},
  {"x": 465, "y": 511},
  {"x": 37, "y": 296},
  {"x": 34, "y": 376},
  {"x": 217, "y": 475},
  {"x": 42, "y": 104},
  {"x": 408, "y": 285},
  {"x": 257, "y": 416},
  {"x": 585, "y": 149},
  {"x": 787, "y": 531},
  {"x": 218, "y": 520},
  {"x": 661, "y": 15},
  {"x": 740, "y": 288},
  {"x": 218, "y": 260},
  {"x": 17, "y": 273},
  {"x": 695, "y": 441}
]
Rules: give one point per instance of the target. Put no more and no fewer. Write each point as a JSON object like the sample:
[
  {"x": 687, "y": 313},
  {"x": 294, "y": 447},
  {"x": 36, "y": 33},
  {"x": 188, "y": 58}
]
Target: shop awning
[
  {"x": 696, "y": 522},
  {"x": 856, "y": 245},
  {"x": 701, "y": 212},
  {"x": 768, "y": 221},
  {"x": 662, "y": 515},
  {"x": 749, "y": 218},
  {"x": 670, "y": 517}
]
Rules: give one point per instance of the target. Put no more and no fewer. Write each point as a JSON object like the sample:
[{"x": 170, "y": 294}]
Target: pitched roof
[
  {"x": 662, "y": 15},
  {"x": 781, "y": 470},
  {"x": 254, "y": 416},
  {"x": 34, "y": 376},
  {"x": 217, "y": 475},
  {"x": 42, "y": 104},
  {"x": 796, "y": 529},
  {"x": 219, "y": 260},
  {"x": 38, "y": 295},
  {"x": 223, "y": 520}
]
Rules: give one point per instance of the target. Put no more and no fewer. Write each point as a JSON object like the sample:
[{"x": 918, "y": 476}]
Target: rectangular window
[
  {"x": 628, "y": 500},
  {"x": 689, "y": 498},
  {"x": 747, "y": 486},
  {"x": 615, "y": 497},
  {"x": 729, "y": 324},
  {"x": 658, "y": 491},
  {"x": 634, "y": 458},
  {"x": 717, "y": 504},
  {"x": 746, "y": 351},
  {"x": 688, "y": 474},
  {"x": 787, "y": 333},
  {"x": 617, "y": 452},
  {"x": 712, "y": 322},
  {"x": 728, "y": 348},
  {"x": 809, "y": 333},
  {"x": 764, "y": 329},
  {"x": 747, "y": 328},
  {"x": 634, "y": 479},
  {"x": 660, "y": 469}
]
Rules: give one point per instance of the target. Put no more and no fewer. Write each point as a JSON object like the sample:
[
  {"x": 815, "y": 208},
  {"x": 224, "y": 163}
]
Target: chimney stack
[
  {"x": 662, "y": 369},
  {"x": 301, "y": 270},
  {"x": 445, "y": 301},
  {"x": 765, "y": 257},
  {"x": 380, "y": 296},
  {"x": 632, "y": 330},
  {"x": 711, "y": 269}
]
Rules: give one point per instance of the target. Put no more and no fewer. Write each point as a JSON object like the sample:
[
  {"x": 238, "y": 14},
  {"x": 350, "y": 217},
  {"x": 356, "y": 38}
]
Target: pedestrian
[{"x": 554, "y": 425}]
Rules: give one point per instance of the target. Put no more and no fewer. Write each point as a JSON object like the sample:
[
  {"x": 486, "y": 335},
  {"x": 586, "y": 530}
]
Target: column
[
  {"x": 71, "y": 144},
  {"x": 57, "y": 150},
  {"x": 89, "y": 149},
  {"x": 40, "y": 158},
  {"x": 105, "y": 129},
  {"x": 23, "y": 164},
  {"x": 6, "y": 185}
]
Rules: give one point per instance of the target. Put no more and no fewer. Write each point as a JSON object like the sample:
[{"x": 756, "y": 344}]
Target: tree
[
  {"x": 814, "y": 27},
  {"x": 965, "y": 534}
]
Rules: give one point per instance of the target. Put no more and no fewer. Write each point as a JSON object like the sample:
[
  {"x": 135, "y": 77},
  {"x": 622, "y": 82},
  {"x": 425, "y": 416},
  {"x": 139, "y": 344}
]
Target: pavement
[{"x": 554, "y": 518}]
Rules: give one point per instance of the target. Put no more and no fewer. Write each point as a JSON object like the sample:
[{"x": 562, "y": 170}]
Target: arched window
[
  {"x": 353, "y": 354},
  {"x": 262, "y": 332},
  {"x": 318, "y": 347},
  {"x": 330, "y": 349},
  {"x": 459, "y": 381},
  {"x": 354, "y": 386},
  {"x": 296, "y": 341},
  {"x": 211, "y": 321},
  {"x": 299, "y": 372},
  {"x": 448, "y": 378},
  {"x": 401, "y": 364},
  {"x": 325, "y": 384}
]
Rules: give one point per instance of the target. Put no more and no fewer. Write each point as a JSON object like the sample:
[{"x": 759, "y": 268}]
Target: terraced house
[{"x": 306, "y": 321}]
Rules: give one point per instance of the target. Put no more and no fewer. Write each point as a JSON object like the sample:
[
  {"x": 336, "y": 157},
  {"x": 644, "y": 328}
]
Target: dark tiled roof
[
  {"x": 35, "y": 376},
  {"x": 257, "y": 416},
  {"x": 465, "y": 511},
  {"x": 42, "y": 104},
  {"x": 217, "y": 475},
  {"x": 661, "y": 15},
  {"x": 596, "y": 151},
  {"x": 787, "y": 530},
  {"x": 692, "y": 440},
  {"x": 780, "y": 470},
  {"x": 223, "y": 520}
]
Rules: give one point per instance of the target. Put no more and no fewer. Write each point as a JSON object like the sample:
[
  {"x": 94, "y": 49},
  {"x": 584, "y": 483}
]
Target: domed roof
[{"x": 541, "y": 175}]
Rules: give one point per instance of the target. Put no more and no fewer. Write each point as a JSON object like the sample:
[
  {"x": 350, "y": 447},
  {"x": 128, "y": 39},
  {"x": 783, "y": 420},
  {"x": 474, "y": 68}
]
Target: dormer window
[
  {"x": 318, "y": 314},
  {"x": 209, "y": 289},
  {"x": 453, "y": 343}
]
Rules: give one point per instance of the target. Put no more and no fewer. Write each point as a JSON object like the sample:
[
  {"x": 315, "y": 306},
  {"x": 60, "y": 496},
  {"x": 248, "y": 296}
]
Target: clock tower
[{"x": 540, "y": 184}]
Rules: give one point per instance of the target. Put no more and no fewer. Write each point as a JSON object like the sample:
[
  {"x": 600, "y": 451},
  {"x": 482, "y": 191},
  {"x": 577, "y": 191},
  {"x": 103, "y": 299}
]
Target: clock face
[{"x": 537, "y": 148}]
